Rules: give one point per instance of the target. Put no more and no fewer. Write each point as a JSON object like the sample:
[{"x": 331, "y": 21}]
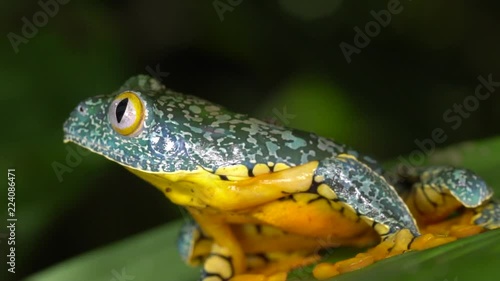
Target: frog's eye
[{"x": 126, "y": 114}]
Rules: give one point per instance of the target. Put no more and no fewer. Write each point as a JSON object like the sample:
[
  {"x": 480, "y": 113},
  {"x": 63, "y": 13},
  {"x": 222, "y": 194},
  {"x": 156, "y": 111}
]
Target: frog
[{"x": 262, "y": 198}]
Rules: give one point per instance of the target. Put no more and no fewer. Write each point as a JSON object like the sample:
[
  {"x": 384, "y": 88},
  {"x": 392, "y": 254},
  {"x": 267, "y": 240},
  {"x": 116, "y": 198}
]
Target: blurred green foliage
[{"x": 262, "y": 56}]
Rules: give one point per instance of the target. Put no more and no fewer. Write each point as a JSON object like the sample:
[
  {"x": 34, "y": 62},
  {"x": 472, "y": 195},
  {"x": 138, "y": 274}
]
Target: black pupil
[{"x": 120, "y": 109}]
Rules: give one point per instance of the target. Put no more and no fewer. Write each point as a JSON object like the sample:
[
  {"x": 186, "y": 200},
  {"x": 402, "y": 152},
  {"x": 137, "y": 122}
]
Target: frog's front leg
[
  {"x": 262, "y": 245},
  {"x": 226, "y": 258},
  {"x": 345, "y": 179}
]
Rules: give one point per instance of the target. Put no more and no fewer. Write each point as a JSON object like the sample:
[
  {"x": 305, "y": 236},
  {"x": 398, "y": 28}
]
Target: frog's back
[{"x": 216, "y": 137}]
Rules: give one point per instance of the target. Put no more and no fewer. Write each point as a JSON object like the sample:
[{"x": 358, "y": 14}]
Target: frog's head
[{"x": 136, "y": 126}]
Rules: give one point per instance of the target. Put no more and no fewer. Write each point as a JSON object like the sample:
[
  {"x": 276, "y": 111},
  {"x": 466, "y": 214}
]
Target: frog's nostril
[{"x": 81, "y": 109}]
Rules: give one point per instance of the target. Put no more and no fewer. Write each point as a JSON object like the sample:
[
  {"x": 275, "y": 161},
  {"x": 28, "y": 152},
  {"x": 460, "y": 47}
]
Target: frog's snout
[{"x": 77, "y": 119}]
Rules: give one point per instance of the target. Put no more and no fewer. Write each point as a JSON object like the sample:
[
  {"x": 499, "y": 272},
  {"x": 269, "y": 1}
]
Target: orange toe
[
  {"x": 325, "y": 270},
  {"x": 355, "y": 263}
]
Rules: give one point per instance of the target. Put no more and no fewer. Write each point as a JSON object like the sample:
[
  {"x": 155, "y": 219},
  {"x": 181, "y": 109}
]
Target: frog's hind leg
[
  {"x": 437, "y": 192},
  {"x": 488, "y": 215},
  {"x": 373, "y": 200}
]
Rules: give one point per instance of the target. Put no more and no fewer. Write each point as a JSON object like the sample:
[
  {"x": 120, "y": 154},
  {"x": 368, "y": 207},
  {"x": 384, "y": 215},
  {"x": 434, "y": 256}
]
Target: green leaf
[
  {"x": 153, "y": 254},
  {"x": 148, "y": 256}
]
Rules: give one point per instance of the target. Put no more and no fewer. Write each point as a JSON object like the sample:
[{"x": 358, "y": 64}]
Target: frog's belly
[{"x": 309, "y": 215}]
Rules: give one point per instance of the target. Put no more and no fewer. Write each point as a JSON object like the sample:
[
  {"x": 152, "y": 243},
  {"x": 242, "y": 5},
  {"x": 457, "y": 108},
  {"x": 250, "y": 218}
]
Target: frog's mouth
[
  {"x": 96, "y": 148},
  {"x": 77, "y": 132},
  {"x": 92, "y": 146}
]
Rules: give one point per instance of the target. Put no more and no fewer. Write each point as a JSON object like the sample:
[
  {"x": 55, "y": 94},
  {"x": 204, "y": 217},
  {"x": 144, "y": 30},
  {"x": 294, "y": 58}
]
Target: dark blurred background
[{"x": 278, "y": 60}]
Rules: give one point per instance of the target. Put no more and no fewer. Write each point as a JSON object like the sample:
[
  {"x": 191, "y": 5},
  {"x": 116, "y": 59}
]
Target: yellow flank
[
  {"x": 176, "y": 187},
  {"x": 235, "y": 171},
  {"x": 260, "y": 169},
  {"x": 202, "y": 189},
  {"x": 280, "y": 167}
]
